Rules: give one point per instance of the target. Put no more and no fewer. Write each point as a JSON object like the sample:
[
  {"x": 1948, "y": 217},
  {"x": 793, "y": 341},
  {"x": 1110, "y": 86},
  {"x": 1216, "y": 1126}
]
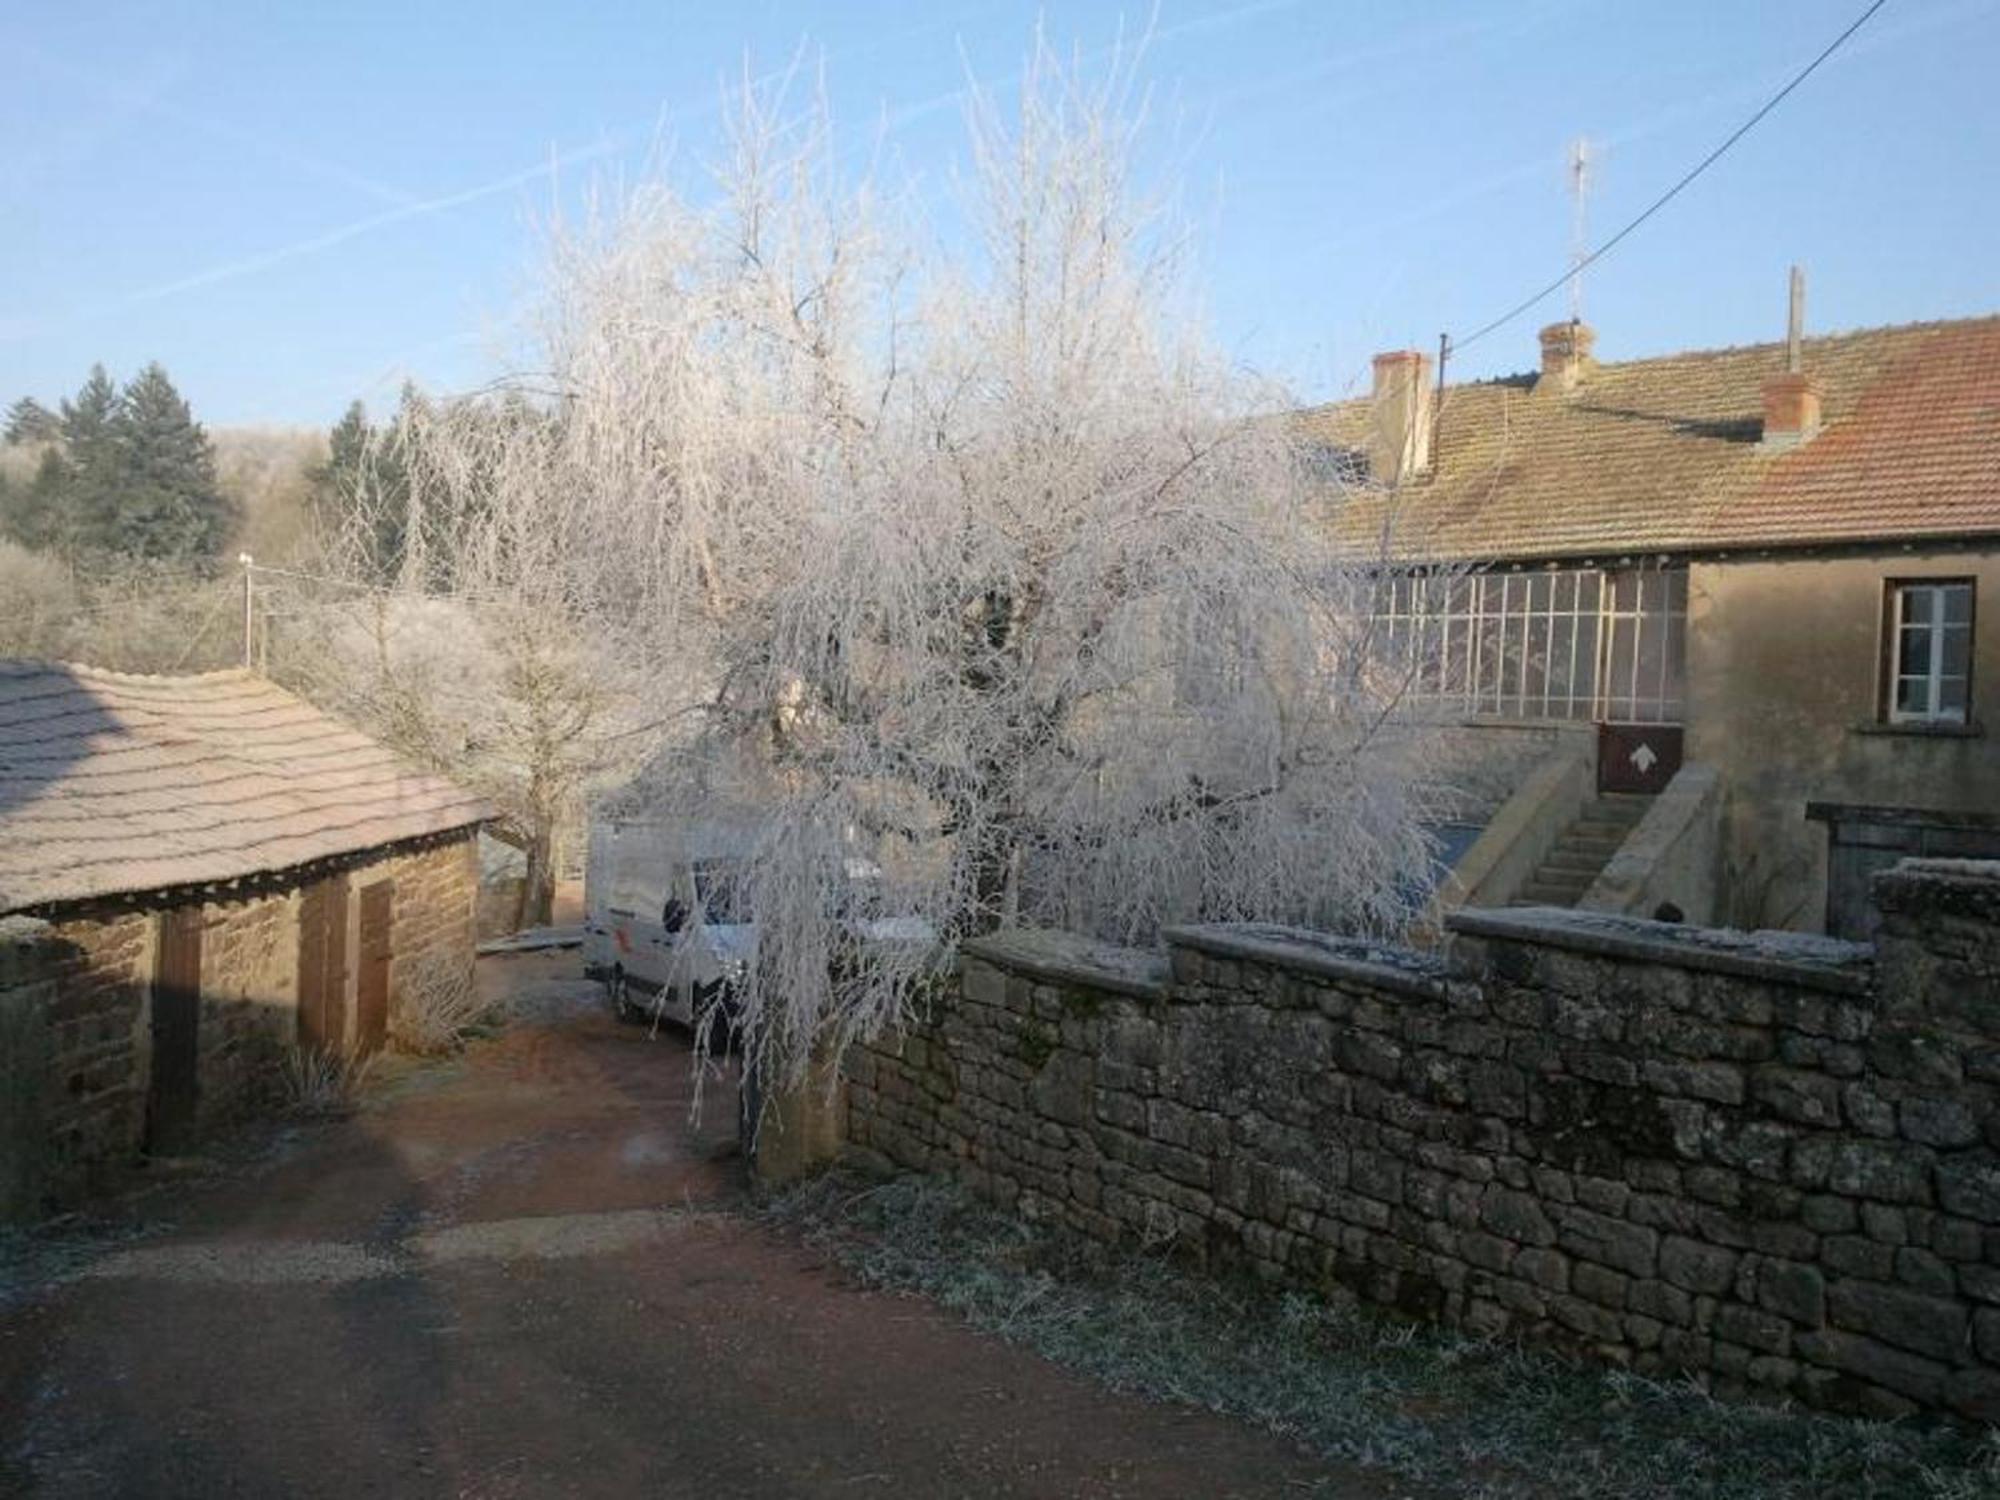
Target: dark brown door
[
  {"x": 371, "y": 990},
  {"x": 323, "y": 964},
  {"x": 1637, "y": 757},
  {"x": 176, "y": 1078}
]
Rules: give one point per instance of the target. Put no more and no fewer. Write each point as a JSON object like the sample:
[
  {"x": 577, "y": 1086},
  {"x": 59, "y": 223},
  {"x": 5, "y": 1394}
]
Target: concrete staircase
[{"x": 1583, "y": 851}]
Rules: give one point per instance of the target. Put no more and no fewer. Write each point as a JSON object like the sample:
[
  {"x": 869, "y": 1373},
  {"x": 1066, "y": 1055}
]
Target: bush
[
  {"x": 438, "y": 1008},
  {"x": 319, "y": 1082}
]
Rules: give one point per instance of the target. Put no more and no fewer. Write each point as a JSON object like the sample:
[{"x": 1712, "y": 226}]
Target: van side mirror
[{"x": 674, "y": 915}]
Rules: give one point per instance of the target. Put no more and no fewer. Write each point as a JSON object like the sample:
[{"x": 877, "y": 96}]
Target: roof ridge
[{"x": 1811, "y": 342}]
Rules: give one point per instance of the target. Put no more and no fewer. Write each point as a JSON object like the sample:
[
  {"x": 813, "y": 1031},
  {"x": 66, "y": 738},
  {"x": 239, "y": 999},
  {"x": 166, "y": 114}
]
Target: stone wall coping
[
  {"x": 1068, "y": 958},
  {"x": 1400, "y": 970},
  {"x": 1948, "y": 883},
  {"x": 1799, "y": 959}
]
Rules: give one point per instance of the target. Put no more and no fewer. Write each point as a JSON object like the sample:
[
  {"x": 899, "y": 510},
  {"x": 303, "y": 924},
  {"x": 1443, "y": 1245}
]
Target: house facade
[
  {"x": 198, "y": 875},
  {"x": 1772, "y": 568}
]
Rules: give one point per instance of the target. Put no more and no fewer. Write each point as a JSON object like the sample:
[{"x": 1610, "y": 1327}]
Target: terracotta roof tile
[
  {"x": 112, "y": 784},
  {"x": 1663, "y": 455}
]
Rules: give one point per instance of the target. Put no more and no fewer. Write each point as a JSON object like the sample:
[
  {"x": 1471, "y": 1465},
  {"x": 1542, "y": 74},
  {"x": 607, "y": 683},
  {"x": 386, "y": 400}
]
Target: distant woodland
[{"x": 121, "y": 517}]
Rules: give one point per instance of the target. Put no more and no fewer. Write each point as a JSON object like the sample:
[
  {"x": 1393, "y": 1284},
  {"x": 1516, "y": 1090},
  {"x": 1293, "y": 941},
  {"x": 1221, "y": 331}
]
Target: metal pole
[{"x": 249, "y": 605}]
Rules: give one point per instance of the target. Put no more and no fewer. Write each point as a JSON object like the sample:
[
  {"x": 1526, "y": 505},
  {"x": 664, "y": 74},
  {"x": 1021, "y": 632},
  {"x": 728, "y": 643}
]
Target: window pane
[
  {"x": 1917, "y": 601},
  {"x": 1951, "y": 699},
  {"x": 1912, "y": 695},
  {"x": 1957, "y": 603},
  {"x": 1957, "y": 649},
  {"x": 1915, "y": 657}
]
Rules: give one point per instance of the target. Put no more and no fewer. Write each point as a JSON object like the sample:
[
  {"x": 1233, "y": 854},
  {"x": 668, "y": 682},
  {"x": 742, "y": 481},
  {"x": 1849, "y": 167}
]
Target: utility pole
[{"x": 249, "y": 605}]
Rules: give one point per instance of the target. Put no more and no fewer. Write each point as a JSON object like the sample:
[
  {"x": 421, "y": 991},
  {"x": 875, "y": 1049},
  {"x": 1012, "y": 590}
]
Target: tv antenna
[{"x": 1580, "y": 174}]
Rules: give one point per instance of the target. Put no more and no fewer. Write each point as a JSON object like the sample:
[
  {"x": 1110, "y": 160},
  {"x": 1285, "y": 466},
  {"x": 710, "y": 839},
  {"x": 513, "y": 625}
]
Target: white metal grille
[{"x": 1577, "y": 643}]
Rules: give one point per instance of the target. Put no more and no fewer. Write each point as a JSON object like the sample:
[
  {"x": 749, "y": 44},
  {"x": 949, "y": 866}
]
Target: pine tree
[
  {"x": 28, "y": 421},
  {"x": 361, "y": 494},
  {"x": 81, "y": 495},
  {"x": 168, "y": 505}
]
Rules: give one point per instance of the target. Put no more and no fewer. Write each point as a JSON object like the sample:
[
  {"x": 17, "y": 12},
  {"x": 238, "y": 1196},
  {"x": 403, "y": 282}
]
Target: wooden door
[
  {"x": 323, "y": 964},
  {"x": 371, "y": 992},
  {"x": 1637, "y": 757},
  {"x": 175, "y": 1085}
]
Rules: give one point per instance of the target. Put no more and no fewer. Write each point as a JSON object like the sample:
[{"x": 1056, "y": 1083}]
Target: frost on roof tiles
[{"x": 112, "y": 783}]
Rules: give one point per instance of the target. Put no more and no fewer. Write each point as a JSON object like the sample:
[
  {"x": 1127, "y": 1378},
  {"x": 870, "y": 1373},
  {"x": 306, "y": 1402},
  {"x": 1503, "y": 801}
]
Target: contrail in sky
[{"x": 263, "y": 144}]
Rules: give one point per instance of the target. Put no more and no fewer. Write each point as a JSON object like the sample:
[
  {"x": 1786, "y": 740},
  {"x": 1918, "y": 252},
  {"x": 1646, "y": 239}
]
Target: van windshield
[{"x": 719, "y": 887}]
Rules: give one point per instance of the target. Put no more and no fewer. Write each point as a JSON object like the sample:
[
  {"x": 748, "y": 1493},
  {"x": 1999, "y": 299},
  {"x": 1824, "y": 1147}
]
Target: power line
[{"x": 1673, "y": 192}]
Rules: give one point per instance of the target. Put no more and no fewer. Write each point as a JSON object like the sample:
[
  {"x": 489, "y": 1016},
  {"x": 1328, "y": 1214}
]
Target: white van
[{"x": 666, "y": 927}]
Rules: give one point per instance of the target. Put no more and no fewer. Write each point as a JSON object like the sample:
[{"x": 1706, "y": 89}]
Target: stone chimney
[
  {"x": 1791, "y": 400},
  {"x": 1566, "y": 357},
  {"x": 1399, "y": 441}
]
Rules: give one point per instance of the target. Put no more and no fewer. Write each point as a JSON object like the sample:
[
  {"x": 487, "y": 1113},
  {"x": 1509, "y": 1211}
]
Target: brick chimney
[
  {"x": 1399, "y": 441},
  {"x": 1791, "y": 400},
  {"x": 1791, "y": 409},
  {"x": 1566, "y": 357}
]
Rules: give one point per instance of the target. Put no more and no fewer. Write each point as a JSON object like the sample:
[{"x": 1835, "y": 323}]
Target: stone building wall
[
  {"x": 1751, "y": 1157},
  {"x": 434, "y": 915},
  {"x": 76, "y": 1017},
  {"x": 249, "y": 1002},
  {"x": 74, "y": 1052}
]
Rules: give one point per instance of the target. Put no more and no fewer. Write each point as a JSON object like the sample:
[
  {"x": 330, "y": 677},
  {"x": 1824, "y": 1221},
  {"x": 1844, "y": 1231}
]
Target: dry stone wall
[{"x": 1761, "y": 1158}]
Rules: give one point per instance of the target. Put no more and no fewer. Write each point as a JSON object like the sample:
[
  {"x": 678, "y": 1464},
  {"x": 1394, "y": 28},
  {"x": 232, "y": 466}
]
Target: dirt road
[{"x": 522, "y": 1275}]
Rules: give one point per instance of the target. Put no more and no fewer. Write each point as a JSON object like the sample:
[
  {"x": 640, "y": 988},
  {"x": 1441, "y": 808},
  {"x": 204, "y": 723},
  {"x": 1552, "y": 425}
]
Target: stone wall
[
  {"x": 249, "y": 1003},
  {"x": 76, "y": 1018},
  {"x": 433, "y": 915},
  {"x": 1751, "y": 1157},
  {"x": 74, "y": 1052}
]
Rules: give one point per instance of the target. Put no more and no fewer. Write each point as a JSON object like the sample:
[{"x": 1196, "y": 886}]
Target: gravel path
[{"x": 522, "y": 1274}]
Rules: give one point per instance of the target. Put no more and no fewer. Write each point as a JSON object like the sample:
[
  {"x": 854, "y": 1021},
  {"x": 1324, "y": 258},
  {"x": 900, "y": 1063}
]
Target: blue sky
[{"x": 293, "y": 206}]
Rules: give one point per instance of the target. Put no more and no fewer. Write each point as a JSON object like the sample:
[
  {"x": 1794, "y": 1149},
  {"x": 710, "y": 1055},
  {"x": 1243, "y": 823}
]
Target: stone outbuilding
[{"x": 198, "y": 874}]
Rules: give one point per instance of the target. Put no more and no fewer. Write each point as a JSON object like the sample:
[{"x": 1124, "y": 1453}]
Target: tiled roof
[
  {"x": 1663, "y": 455},
  {"x": 112, "y": 784}
]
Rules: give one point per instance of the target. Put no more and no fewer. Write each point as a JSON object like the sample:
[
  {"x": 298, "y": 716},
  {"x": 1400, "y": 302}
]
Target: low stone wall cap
[
  {"x": 1069, "y": 958},
  {"x": 1325, "y": 954},
  {"x": 1803, "y": 959}
]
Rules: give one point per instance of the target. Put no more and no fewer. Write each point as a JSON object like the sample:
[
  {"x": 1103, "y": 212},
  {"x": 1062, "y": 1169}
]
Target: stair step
[
  {"x": 1563, "y": 861},
  {"x": 1535, "y": 893},
  {"x": 1592, "y": 838}
]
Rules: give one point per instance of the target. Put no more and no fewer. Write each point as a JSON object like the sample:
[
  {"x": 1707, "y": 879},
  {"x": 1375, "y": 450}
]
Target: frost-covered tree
[{"x": 1004, "y": 596}]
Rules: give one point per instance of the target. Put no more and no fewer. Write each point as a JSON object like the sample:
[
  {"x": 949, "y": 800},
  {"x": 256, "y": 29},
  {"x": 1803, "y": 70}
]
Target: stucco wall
[{"x": 1784, "y": 672}]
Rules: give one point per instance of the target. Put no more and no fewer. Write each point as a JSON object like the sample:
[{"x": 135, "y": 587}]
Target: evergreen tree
[
  {"x": 81, "y": 495},
  {"x": 38, "y": 514},
  {"x": 168, "y": 504},
  {"x": 336, "y": 482},
  {"x": 361, "y": 494},
  {"x": 28, "y": 421}
]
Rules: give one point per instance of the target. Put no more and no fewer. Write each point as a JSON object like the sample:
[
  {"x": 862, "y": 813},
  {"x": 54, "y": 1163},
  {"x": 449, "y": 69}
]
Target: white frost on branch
[{"x": 1008, "y": 598}]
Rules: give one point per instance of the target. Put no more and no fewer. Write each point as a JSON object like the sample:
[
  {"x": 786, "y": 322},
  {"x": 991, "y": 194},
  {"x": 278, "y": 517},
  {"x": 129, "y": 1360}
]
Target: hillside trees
[
  {"x": 998, "y": 589},
  {"x": 361, "y": 494},
  {"x": 28, "y": 421},
  {"x": 123, "y": 472}
]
